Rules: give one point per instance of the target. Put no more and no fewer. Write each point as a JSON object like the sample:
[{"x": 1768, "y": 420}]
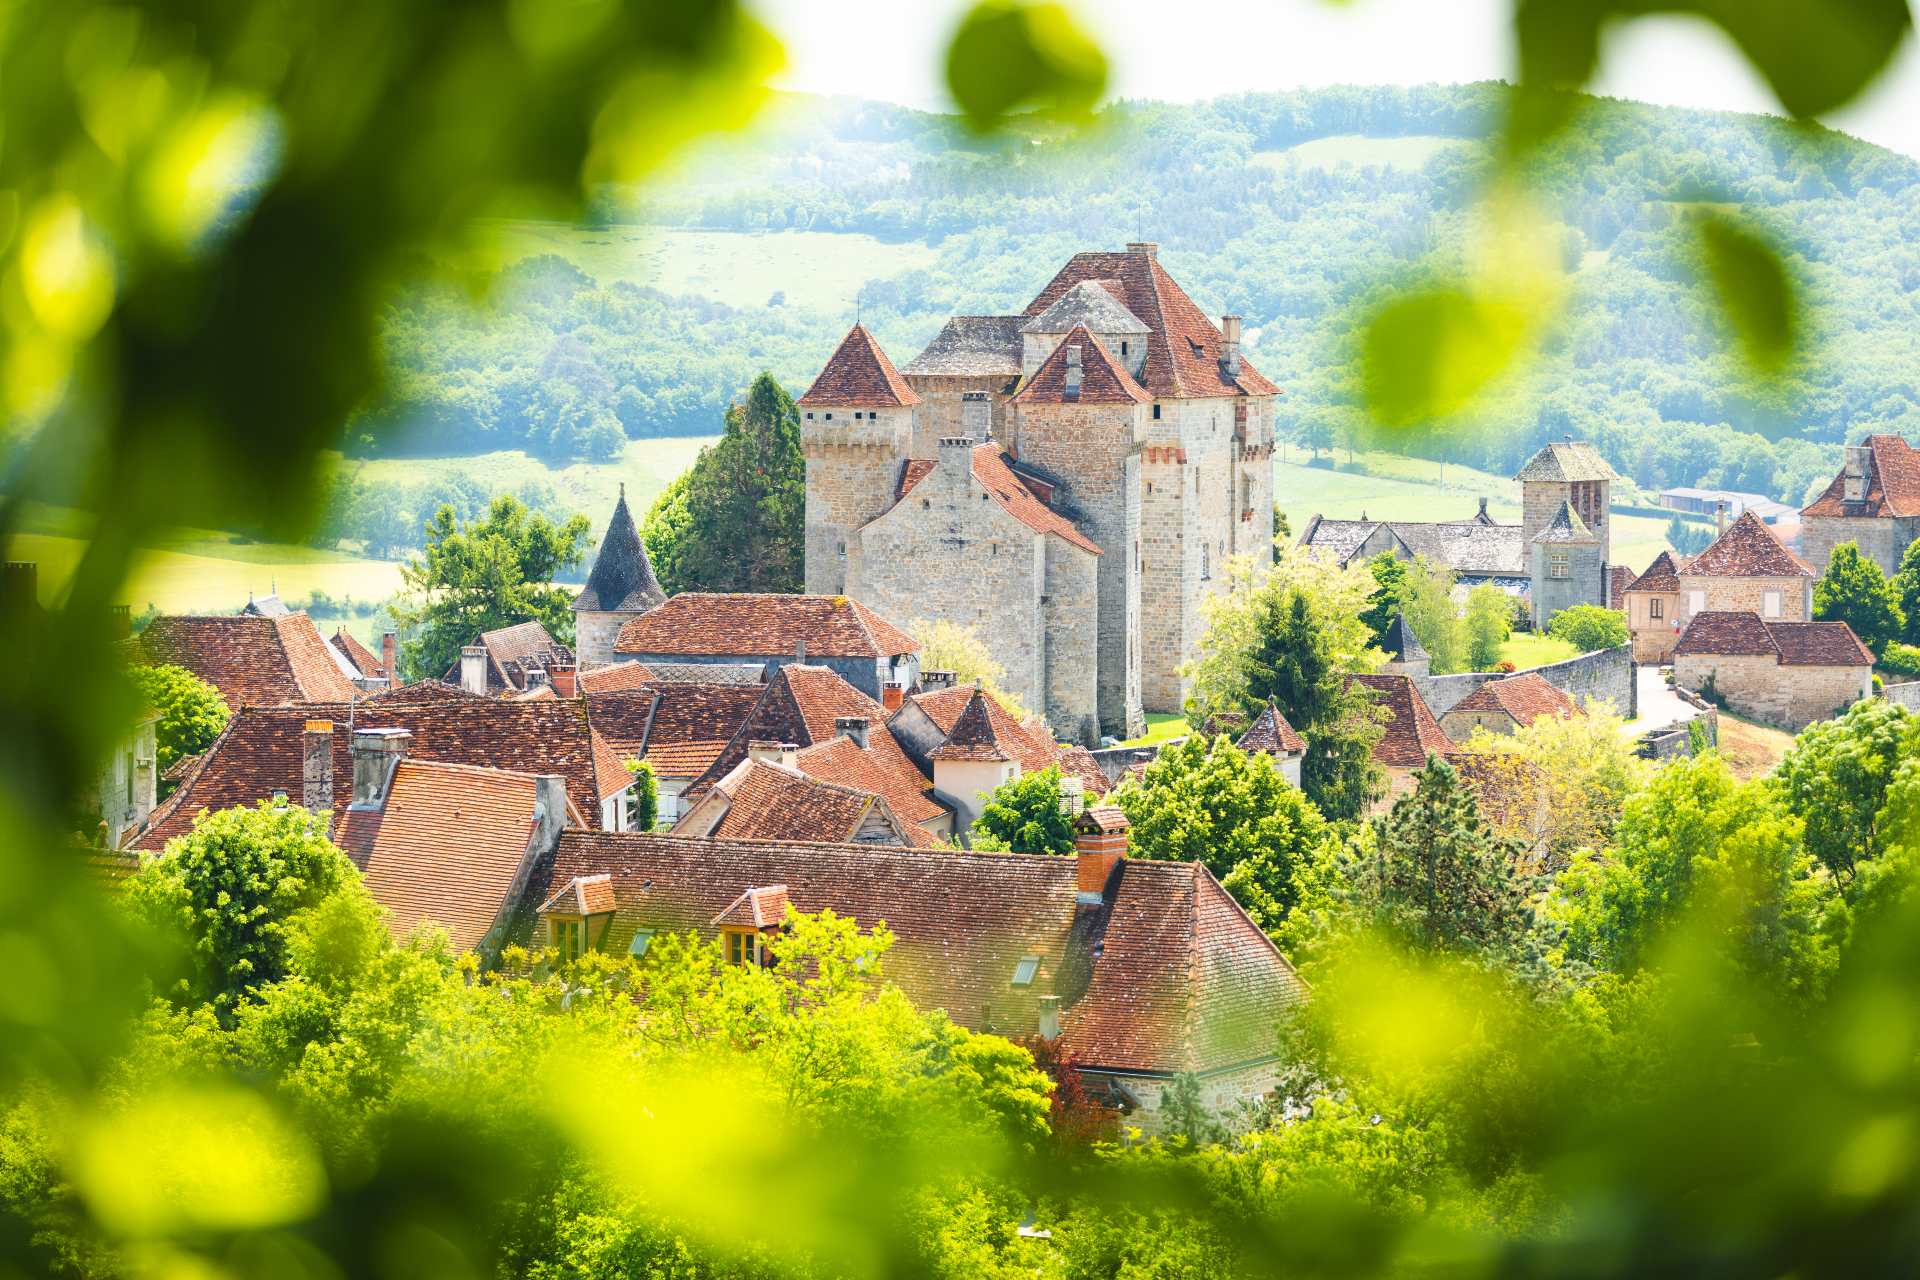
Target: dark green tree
[
  {"x": 1855, "y": 591},
  {"x": 1293, "y": 664},
  {"x": 1023, "y": 815},
  {"x": 1589, "y": 627},
  {"x": 1906, "y": 591},
  {"x": 1389, "y": 593},
  {"x": 646, "y": 795},
  {"x": 664, "y": 532},
  {"x": 192, "y": 712},
  {"x": 1836, "y": 778},
  {"x": 475, "y": 577}
]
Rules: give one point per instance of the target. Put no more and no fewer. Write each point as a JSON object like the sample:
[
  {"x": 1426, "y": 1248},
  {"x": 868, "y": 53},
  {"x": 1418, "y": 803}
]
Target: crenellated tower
[{"x": 856, "y": 428}]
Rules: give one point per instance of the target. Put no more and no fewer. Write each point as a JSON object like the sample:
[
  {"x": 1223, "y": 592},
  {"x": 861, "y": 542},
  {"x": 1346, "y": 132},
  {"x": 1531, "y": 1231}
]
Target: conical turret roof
[
  {"x": 622, "y": 580},
  {"x": 860, "y": 375}
]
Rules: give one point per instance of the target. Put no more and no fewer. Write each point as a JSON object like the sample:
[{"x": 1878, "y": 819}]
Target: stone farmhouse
[
  {"x": 1874, "y": 501},
  {"x": 1747, "y": 569},
  {"x": 1502, "y": 706},
  {"x": 1137, "y": 970},
  {"x": 1784, "y": 673},
  {"x": 1071, "y": 480}
]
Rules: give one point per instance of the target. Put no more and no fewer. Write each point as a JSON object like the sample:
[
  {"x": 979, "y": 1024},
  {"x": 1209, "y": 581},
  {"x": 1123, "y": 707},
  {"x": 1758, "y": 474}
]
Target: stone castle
[{"x": 1069, "y": 481}]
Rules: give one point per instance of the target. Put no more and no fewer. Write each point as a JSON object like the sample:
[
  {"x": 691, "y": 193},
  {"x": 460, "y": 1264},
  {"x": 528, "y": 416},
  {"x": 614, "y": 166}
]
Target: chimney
[
  {"x": 937, "y": 680},
  {"x": 853, "y": 727},
  {"x": 316, "y": 766},
  {"x": 976, "y": 415},
  {"x": 390, "y": 659},
  {"x": 562, "y": 675},
  {"x": 1483, "y": 508},
  {"x": 1074, "y": 373},
  {"x": 1147, "y": 247},
  {"x": 892, "y": 695},
  {"x": 375, "y": 754},
  {"x": 549, "y": 811},
  {"x": 789, "y": 756},
  {"x": 1100, "y": 843},
  {"x": 1230, "y": 344},
  {"x": 1719, "y": 516},
  {"x": 954, "y": 464},
  {"x": 800, "y": 650},
  {"x": 1049, "y": 1018},
  {"x": 1854, "y": 474},
  {"x": 764, "y": 749},
  {"x": 119, "y": 621},
  {"x": 473, "y": 669}
]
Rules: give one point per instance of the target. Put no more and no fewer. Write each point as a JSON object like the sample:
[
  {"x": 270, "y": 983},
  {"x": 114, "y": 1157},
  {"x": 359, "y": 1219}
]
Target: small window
[
  {"x": 1656, "y": 608},
  {"x": 743, "y": 947},
  {"x": 857, "y": 415},
  {"x": 829, "y": 417},
  {"x": 642, "y": 939},
  {"x": 1557, "y": 564},
  {"x": 1024, "y": 971},
  {"x": 1123, "y": 346},
  {"x": 1156, "y": 413},
  {"x": 1771, "y": 603},
  {"x": 1206, "y": 564},
  {"x": 809, "y": 415},
  {"x": 564, "y": 936}
]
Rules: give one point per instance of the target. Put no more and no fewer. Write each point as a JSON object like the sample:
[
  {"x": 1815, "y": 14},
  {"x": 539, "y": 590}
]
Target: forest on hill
[{"x": 1274, "y": 206}]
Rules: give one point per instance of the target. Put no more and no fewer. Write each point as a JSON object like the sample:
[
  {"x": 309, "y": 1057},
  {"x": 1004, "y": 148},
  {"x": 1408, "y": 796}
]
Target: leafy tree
[
  {"x": 646, "y": 795},
  {"x": 1423, "y": 591},
  {"x": 1589, "y": 627},
  {"x": 1836, "y": 777},
  {"x": 474, "y": 577},
  {"x": 1439, "y": 878},
  {"x": 664, "y": 532},
  {"x": 1205, "y": 800},
  {"x": 1389, "y": 593},
  {"x": 1557, "y": 785},
  {"x": 1855, "y": 591},
  {"x": 951, "y": 646},
  {"x": 1186, "y": 1114},
  {"x": 1489, "y": 623},
  {"x": 192, "y": 712},
  {"x": 1686, "y": 538},
  {"x": 1292, "y": 664},
  {"x": 1024, "y": 815},
  {"x": 1906, "y": 590}
]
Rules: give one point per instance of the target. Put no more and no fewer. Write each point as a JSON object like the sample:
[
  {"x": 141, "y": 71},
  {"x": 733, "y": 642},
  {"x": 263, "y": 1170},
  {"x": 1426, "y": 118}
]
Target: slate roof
[
  {"x": 768, "y": 802},
  {"x": 260, "y": 751},
  {"x": 622, "y": 579},
  {"x": 859, "y": 375},
  {"x": 1411, "y": 733},
  {"x": 1567, "y": 460},
  {"x": 614, "y": 676},
  {"x": 1087, "y": 305},
  {"x": 251, "y": 660},
  {"x": 358, "y": 656},
  {"x": 1183, "y": 346},
  {"x": 1400, "y": 643},
  {"x": 1167, "y": 974},
  {"x": 991, "y": 469},
  {"x": 267, "y": 606},
  {"x": 1523, "y": 698},
  {"x": 753, "y": 673},
  {"x": 1794, "y": 644},
  {"x": 1103, "y": 380},
  {"x": 1748, "y": 549},
  {"x": 977, "y": 346},
  {"x": 1662, "y": 575},
  {"x": 762, "y": 626},
  {"x": 1566, "y": 526},
  {"x": 1893, "y": 484},
  {"x": 1271, "y": 733},
  {"x": 1471, "y": 547}
]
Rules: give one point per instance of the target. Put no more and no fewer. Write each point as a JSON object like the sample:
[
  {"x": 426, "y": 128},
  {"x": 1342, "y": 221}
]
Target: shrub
[
  {"x": 1588, "y": 627},
  {"x": 1901, "y": 659}
]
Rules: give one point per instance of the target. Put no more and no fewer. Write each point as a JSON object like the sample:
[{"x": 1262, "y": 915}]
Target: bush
[
  {"x": 1901, "y": 659},
  {"x": 1588, "y": 627}
]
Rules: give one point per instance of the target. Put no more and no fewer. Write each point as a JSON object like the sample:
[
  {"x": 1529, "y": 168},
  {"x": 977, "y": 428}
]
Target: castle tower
[
  {"x": 1568, "y": 563},
  {"x": 856, "y": 427},
  {"x": 1567, "y": 473},
  {"x": 621, "y": 586}
]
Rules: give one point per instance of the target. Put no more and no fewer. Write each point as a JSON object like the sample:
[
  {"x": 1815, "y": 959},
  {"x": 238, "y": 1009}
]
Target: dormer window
[
  {"x": 743, "y": 947},
  {"x": 566, "y": 936}
]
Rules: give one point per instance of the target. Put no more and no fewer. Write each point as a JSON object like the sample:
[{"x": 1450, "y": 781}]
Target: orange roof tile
[
  {"x": 1893, "y": 487},
  {"x": 1748, "y": 549},
  {"x": 1102, "y": 380},
  {"x": 768, "y": 802},
  {"x": 766, "y": 627},
  {"x": 619, "y": 675},
  {"x": 859, "y": 375},
  {"x": 1663, "y": 575},
  {"x": 1411, "y": 733},
  {"x": 252, "y": 660},
  {"x": 1523, "y": 698},
  {"x": 1271, "y": 733}
]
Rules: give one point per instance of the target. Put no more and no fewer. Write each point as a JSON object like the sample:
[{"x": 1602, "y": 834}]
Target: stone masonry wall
[
  {"x": 1882, "y": 541},
  {"x": 594, "y": 634},
  {"x": 1906, "y": 695},
  {"x": 1747, "y": 595},
  {"x": 1070, "y": 615},
  {"x": 1760, "y": 688},
  {"x": 1187, "y": 533},
  {"x": 1653, "y": 638},
  {"x": 853, "y": 466},
  {"x": 1606, "y": 674},
  {"x": 937, "y": 416},
  {"x": 1584, "y": 583},
  {"x": 1227, "y": 1094}
]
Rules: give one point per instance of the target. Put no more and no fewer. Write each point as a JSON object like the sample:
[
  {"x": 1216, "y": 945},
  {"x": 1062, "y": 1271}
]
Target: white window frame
[
  {"x": 1559, "y": 564},
  {"x": 1770, "y": 604}
]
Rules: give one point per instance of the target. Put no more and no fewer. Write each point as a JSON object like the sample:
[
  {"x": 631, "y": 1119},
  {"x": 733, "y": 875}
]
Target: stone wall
[
  {"x": 1677, "y": 739},
  {"x": 1906, "y": 695},
  {"x": 594, "y": 634},
  {"x": 1584, "y": 583},
  {"x": 1604, "y": 675},
  {"x": 853, "y": 467},
  {"x": 1760, "y": 688},
  {"x": 939, "y": 415},
  {"x": 1653, "y": 638},
  {"x": 1746, "y": 595},
  {"x": 1071, "y": 616},
  {"x": 1883, "y": 541}
]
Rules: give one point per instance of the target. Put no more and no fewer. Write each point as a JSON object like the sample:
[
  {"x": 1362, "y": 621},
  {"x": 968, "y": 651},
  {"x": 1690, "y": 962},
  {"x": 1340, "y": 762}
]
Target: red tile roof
[
  {"x": 1893, "y": 489},
  {"x": 362, "y": 659},
  {"x": 859, "y": 375},
  {"x": 619, "y": 675},
  {"x": 1662, "y": 575},
  {"x": 582, "y": 896},
  {"x": 1795, "y": 644},
  {"x": 979, "y": 734},
  {"x": 768, "y": 802},
  {"x": 997, "y": 478},
  {"x": 1078, "y": 762},
  {"x": 881, "y": 768},
  {"x": 252, "y": 661},
  {"x": 758, "y": 908},
  {"x": 1271, "y": 733},
  {"x": 1726, "y": 634},
  {"x": 768, "y": 627},
  {"x": 609, "y": 768},
  {"x": 1412, "y": 734},
  {"x": 1619, "y": 578},
  {"x": 1102, "y": 380},
  {"x": 1183, "y": 347},
  {"x": 1523, "y": 698},
  {"x": 513, "y": 651},
  {"x": 425, "y": 691},
  {"x": 1748, "y": 549},
  {"x": 1167, "y": 975}
]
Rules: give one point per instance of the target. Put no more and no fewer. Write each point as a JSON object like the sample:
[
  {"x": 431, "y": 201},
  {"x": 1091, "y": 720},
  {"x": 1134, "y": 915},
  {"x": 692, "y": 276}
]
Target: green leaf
[
  {"x": 1008, "y": 55},
  {"x": 1425, "y": 354},
  {"x": 1757, "y": 297}
]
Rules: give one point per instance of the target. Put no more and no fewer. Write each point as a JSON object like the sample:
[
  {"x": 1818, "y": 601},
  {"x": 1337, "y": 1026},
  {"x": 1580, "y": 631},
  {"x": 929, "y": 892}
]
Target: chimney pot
[
  {"x": 1049, "y": 1026},
  {"x": 892, "y": 694},
  {"x": 390, "y": 659},
  {"x": 473, "y": 669},
  {"x": 937, "y": 679},
  {"x": 316, "y": 766},
  {"x": 854, "y": 728}
]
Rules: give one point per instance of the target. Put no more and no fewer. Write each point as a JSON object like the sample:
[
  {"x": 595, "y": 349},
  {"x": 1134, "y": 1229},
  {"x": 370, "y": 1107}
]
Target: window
[
  {"x": 1024, "y": 971},
  {"x": 809, "y": 415},
  {"x": 642, "y": 939},
  {"x": 743, "y": 947},
  {"x": 1123, "y": 346},
  {"x": 1770, "y": 604},
  {"x": 1656, "y": 608},
  {"x": 829, "y": 417},
  {"x": 1556, "y": 564},
  {"x": 857, "y": 415},
  {"x": 566, "y": 937},
  {"x": 1206, "y": 564},
  {"x": 1156, "y": 413}
]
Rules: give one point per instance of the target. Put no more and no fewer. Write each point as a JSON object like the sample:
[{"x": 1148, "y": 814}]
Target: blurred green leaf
[
  {"x": 1008, "y": 55},
  {"x": 1426, "y": 353},
  {"x": 1757, "y": 297}
]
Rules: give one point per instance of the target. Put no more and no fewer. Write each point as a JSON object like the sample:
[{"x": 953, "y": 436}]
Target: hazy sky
[{"x": 1182, "y": 51}]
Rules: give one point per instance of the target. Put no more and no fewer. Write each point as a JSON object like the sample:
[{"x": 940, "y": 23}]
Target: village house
[
  {"x": 1135, "y": 970},
  {"x": 1747, "y": 569},
  {"x": 1653, "y": 609},
  {"x": 1477, "y": 551},
  {"x": 620, "y": 587},
  {"x": 1409, "y": 734},
  {"x": 698, "y": 628},
  {"x": 1873, "y": 502},
  {"x": 1783, "y": 673},
  {"x": 1271, "y": 735},
  {"x": 768, "y": 797},
  {"x": 512, "y": 660},
  {"x": 128, "y": 783},
  {"x": 1130, "y": 456},
  {"x": 253, "y": 660},
  {"x": 1502, "y": 706},
  {"x": 678, "y": 727}
]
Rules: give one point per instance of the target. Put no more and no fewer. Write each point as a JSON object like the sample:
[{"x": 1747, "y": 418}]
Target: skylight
[
  {"x": 642, "y": 939},
  {"x": 1024, "y": 971}
]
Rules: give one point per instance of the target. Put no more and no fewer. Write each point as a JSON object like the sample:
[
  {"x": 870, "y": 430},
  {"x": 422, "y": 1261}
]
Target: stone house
[
  {"x": 1410, "y": 734},
  {"x": 620, "y": 587},
  {"x": 1127, "y": 413},
  {"x": 518, "y": 659},
  {"x": 678, "y": 727},
  {"x": 730, "y": 629},
  {"x": 1874, "y": 502},
  {"x": 1747, "y": 569},
  {"x": 1784, "y": 673},
  {"x": 1502, "y": 706},
  {"x": 768, "y": 797},
  {"x": 128, "y": 786},
  {"x": 253, "y": 660},
  {"x": 1569, "y": 566},
  {"x": 1653, "y": 609},
  {"x": 1136, "y": 970},
  {"x": 1270, "y": 734}
]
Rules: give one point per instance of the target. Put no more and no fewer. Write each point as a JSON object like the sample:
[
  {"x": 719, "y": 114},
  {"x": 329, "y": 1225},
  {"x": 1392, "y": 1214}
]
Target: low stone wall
[
  {"x": 1907, "y": 695},
  {"x": 1677, "y": 739},
  {"x": 1606, "y": 674}
]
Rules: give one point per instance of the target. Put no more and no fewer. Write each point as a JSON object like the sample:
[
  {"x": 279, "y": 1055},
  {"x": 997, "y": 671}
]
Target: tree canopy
[
  {"x": 1855, "y": 590},
  {"x": 192, "y": 712}
]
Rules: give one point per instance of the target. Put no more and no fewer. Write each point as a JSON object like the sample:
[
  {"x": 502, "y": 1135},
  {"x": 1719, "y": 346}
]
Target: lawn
[
  {"x": 1531, "y": 649},
  {"x": 1162, "y": 726},
  {"x": 1750, "y": 749},
  {"x": 1409, "y": 152},
  {"x": 185, "y": 579}
]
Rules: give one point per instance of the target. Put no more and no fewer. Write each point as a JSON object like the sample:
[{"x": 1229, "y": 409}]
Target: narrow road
[{"x": 1659, "y": 705}]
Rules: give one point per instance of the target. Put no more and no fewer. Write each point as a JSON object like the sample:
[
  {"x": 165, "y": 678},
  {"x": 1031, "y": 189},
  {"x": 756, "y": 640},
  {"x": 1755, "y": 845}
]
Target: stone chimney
[
  {"x": 1483, "y": 508},
  {"x": 1230, "y": 345},
  {"x": 563, "y": 676},
  {"x": 390, "y": 658},
  {"x": 316, "y": 765},
  {"x": 473, "y": 669},
  {"x": 119, "y": 621},
  {"x": 854, "y": 728},
  {"x": 1856, "y": 474},
  {"x": 976, "y": 415},
  {"x": 1049, "y": 1026},
  {"x": 1075, "y": 373},
  {"x": 892, "y": 695},
  {"x": 1719, "y": 516},
  {"x": 763, "y": 749},
  {"x": 376, "y": 752},
  {"x": 549, "y": 811},
  {"x": 953, "y": 468},
  {"x": 931, "y": 680},
  {"x": 1100, "y": 844},
  {"x": 1147, "y": 247},
  {"x": 800, "y": 650}
]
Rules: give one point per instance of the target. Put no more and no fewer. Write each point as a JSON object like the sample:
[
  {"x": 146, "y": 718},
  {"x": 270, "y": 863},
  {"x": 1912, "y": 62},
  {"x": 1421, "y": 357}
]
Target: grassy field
[
  {"x": 179, "y": 580},
  {"x": 1532, "y": 650},
  {"x": 1409, "y": 152},
  {"x": 1751, "y": 749},
  {"x": 1162, "y": 726},
  {"x": 816, "y": 269}
]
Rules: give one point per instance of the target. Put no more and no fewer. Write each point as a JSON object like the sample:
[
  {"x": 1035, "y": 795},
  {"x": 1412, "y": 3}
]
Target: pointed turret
[
  {"x": 856, "y": 426},
  {"x": 621, "y": 586}
]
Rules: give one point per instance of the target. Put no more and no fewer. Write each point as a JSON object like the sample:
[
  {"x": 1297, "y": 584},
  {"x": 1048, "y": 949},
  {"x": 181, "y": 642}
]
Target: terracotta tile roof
[
  {"x": 758, "y": 908},
  {"x": 997, "y": 478},
  {"x": 1748, "y": 549},
  {"x": 110, "y": 866},
  {"x": 539, "y": 693},
  {"x": 975, "y": 735},
  {"x": 1662, "y": 575},
  {"x": 768, "y": 802},
  {"x": 1107, "y": 819},
  {"x": 609, "y": 768},
  {"x": 1102, "y": 379},
  {"x": 1893, "y": 486},
  {"x": 513, "y": 651},
  {"x": 425, "y": 691},
  {"x": 684, "y": 760},
  {"x": 859, "y": 375},
  {"x": 912, "y": 472},
  {"x": 1794, "y": 644},
  {"x": 1567, "y": 460},
  {"x": 1078, "y": 762},
  {"x": 260, "y": 751},
  {"x": 1524, "y": 698},
  {"x": 1271, "y": 733},
  {"x": 971, "y": 346},
  {"x": 763, "y": 626},
  {"x": 1183, "y": 345},
  {"x": 622, "y": 578},
  {"x": 1726, "y": 634},
  {"x": 679, "y": 728},
  {"x": 886, "y": 773},
  {"x": 582, "y": 896},
  {"x": 618, "y": 675},
  {"x": 252, "y": 661},
  {"x": 943, "y": 706},
  {"x": 1166, "y": 975},
  {"x": 1412, "y": 734},
  {"x": 361, "y": 658},
  {"x": 449, "y": 846},
  {"x": 799, "y": 705},
  {"x": 1030, "y": 744}
]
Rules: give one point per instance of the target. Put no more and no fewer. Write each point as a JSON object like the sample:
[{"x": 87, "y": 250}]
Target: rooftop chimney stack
[
  {"x": 1100, "y": 843},
  {"x": 854, "y": 728},
  {"x": 1049, "y": 1027},
  {"x": 376, "y": 753},
  {"x": 931, "y": 680},
  {"x": 800, "y": 650},
  {"x": 564, "y": 679},
  {"x": 390, "y": 659},
  {"x": 892, "y": 695},
  {"x": 1074, "y": 373},
  {"x": 473, "y": 669},
  {"x": 764, "y": 750},
  {"x": 976, "y": 415},
  {"x": 1859, "y": 460},
  {"x": 1230, "y": 345},
  {"x": 1719, "y": 516},
  {"x": 789, "y": 756},
  {"x": 316, "y": 766}
]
